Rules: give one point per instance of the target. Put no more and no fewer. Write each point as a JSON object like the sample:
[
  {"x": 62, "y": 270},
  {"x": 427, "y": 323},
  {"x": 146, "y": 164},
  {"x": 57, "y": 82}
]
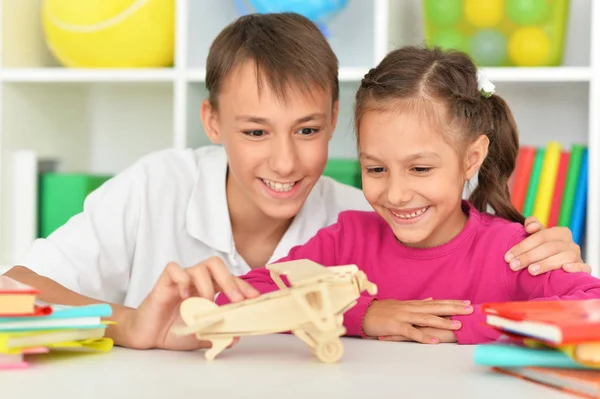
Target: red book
[
  {"x": 18, "y": 299},
  {"x": 554, "y": 322},
  {"x": 559, "y": 188},
  {"x": 522, "y": 174}
]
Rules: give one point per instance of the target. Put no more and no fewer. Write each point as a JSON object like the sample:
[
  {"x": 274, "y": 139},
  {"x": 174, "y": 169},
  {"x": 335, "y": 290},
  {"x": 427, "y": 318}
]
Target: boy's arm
[
  {"x": 91, "y": 254},
  {"x": 522, "y": 286},
  {"x": 52, "y": 292},
  {"x": 325, "y": 248}
]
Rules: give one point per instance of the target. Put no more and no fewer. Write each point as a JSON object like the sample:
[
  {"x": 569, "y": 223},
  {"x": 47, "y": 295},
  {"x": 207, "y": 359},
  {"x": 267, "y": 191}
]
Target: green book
[
  {"x": 61, "y": 196},
  {"x": 534, "y": 181},
  {"x": 566, "y": 209}
]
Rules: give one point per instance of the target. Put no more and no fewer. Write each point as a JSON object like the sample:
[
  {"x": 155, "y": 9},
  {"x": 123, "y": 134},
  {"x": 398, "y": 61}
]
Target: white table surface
[{"x": 268, "y": 367}]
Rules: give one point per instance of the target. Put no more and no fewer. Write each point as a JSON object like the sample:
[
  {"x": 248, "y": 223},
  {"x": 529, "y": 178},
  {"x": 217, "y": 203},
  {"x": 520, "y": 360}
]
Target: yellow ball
[
  {"x": 110, "y": 33},
  {"x": 484, "y": 13},
  {"x": 529, "y": 47}
]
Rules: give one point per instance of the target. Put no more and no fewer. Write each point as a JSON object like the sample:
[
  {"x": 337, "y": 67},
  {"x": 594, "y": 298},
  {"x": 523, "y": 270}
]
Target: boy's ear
[
  {"x": 475, "y": 155},
  {"x": 209, "y": 118},
  {"x": 335, "y": 111}
]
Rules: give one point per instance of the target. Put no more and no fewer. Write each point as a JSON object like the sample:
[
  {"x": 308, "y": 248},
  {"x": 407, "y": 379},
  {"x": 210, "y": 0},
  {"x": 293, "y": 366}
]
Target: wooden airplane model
[{"x": 312, "y": 308}]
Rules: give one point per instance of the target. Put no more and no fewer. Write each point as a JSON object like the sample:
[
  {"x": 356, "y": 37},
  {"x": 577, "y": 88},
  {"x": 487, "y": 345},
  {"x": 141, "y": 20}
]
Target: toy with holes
[{"x": 312, "y": 308}]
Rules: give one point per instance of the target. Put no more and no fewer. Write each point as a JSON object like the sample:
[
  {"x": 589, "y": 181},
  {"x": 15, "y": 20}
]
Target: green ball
[
  {"x": 443, "y": 13},
  {"x": 450, "y": 40},
  {"x": 527, "y": 12},
  {"x": 488, "y": 47}
]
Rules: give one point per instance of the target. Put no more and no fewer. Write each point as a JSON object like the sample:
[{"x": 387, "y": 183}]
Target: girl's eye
[
  {"x": 307, "y": 131},
  {"x": 254, "y": 133},
  {"x": 376, "y": 170},
  {"x": 422, "y": 169}
]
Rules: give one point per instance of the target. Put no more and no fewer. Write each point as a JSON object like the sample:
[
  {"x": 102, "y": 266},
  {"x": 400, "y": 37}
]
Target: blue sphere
[
  {"x": 315, "y": 10},
  {"x": 318, "y": 11}
]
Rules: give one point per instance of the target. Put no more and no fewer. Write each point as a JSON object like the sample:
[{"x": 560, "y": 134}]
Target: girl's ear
[
  {"x": 475, "y": 155},
  {"x": 210, "y": 120}
]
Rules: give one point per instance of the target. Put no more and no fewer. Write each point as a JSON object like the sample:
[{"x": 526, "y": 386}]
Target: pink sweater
[{"x": 471, "y": 266}]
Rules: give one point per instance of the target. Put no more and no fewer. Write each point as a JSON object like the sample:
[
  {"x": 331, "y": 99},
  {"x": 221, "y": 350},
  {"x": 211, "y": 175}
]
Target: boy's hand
[
  {"x": 418, "y": 320},
  {"x": 148, "y": 326},
  {"x": 546, "y": 250}
]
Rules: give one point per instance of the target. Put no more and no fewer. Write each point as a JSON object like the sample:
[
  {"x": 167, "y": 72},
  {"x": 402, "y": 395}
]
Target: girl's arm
[
  {"x": 325, "y": 248},
  {"x": 522, "y": 286}
]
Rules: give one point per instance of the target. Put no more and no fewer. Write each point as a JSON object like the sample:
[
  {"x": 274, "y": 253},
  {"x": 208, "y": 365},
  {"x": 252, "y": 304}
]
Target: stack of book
[
  {"x": 30, "y": 327},
  {"x": 551, "y": 183},
  {"x": 554, "y": 343}
]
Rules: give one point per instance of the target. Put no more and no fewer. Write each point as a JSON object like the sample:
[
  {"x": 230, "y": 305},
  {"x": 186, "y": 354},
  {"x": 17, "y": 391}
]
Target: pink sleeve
[
  {"x": 325, "y": 248},
  {"x": 474, "y": 330},
  {"x": 522, "y": 286}
]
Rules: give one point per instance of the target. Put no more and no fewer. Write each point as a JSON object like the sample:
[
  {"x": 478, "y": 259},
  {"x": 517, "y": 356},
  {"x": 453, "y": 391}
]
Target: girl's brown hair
[{"x": 450, "y": 78}]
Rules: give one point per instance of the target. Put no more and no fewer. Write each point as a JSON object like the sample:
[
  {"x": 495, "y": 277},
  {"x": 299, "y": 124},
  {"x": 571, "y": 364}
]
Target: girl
[{"x": 424, "y": 129}]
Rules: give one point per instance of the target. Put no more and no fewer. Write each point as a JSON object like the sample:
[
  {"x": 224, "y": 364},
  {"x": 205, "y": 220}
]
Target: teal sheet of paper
[{"x": 501, "y": 355}]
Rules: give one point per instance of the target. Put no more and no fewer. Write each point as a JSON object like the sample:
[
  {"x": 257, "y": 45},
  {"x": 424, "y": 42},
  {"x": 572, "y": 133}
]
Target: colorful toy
[
  {"x": 499, "y": 32},
  {"x": 311, "y": 308},
  {"x": 110, "y": 33}
]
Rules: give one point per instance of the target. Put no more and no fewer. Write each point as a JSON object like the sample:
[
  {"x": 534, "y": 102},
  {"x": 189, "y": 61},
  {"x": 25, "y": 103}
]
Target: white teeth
[
  {"x": 281, "y": 187},
  {"x": 410, "y": 215}
]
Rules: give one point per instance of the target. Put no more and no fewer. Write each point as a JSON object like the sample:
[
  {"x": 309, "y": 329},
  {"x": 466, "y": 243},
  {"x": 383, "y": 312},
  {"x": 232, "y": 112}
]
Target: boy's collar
[{"x": 207, "y": 216}]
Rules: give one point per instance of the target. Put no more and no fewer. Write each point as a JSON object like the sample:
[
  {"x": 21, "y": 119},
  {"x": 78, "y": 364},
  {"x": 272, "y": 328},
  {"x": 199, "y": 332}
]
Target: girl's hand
[
  {"x": 148, "y": 326},
  {"x": 546, "y": 250},
  {"x": 443, "y": 336},
  {"x": 418, "y": 320}
]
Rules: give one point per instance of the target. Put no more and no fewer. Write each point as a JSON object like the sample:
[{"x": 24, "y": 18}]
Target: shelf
[
  {"x": 542, "y": 74},
  {"x": 49, "y": 75},
  {"x": 498, "y": 74}
]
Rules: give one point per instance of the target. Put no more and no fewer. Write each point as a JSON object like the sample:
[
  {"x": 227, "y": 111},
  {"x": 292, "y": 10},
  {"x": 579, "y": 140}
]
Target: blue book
[
  {"x": 512, "y": 355},
  {"x": 577, "y": 223},
  {"x": 62, "y": 317}
]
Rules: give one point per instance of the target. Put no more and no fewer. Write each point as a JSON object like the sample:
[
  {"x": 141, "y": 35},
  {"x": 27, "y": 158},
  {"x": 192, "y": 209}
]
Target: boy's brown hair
[
  {"x": 286, "y": 48},
  {"x": 426, "y": 77}
]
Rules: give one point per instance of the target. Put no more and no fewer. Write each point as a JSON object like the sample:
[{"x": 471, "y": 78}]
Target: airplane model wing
[{"x": 299, "y": 272}]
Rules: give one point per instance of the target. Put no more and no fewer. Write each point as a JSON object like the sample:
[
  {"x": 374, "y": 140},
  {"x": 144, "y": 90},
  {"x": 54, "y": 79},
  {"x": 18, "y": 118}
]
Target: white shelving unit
[{"x": 101, "y": 121}]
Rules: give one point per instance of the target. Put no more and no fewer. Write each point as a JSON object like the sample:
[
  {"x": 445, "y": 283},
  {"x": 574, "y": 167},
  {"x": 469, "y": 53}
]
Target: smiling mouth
[
  {"x": 278, "y": 186},
  {"x": 409, "y": 214}
]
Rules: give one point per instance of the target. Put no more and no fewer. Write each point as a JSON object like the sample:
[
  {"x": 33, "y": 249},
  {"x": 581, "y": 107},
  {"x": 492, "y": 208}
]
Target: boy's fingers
[
  {"x": 202, "y": 281},
  {"x": 225, "y": 281},
  {"x": 533, "y": 225},
  {"x": 174, "y": 274},
  {"x": 544, "y": 251},
  {"x": 577, "y": 267},
  {"x": 246, "y": 288},
  {"x": 552, "y": 262}
]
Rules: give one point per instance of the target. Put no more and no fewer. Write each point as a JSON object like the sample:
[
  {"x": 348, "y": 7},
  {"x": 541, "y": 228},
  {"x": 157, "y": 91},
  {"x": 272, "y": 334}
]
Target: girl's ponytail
[{"x": 492, "y": 187}]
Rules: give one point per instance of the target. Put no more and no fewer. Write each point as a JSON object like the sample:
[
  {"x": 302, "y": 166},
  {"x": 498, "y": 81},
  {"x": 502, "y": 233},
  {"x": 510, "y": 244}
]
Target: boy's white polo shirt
[{"x": 168, "y": 206}]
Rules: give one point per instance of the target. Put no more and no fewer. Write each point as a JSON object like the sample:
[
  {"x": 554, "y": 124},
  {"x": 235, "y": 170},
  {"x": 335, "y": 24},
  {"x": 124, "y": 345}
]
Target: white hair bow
[{"x": 485, "y": 87}]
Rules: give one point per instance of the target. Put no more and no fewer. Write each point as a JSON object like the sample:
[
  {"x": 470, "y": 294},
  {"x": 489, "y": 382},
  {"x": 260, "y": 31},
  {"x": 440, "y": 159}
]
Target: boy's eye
[
  {"x": 307, "y": 131},
  {"x": 422, "y": 169},
  {"x": 254, "y": 133},
  {"x": 376, "y": 169}
]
